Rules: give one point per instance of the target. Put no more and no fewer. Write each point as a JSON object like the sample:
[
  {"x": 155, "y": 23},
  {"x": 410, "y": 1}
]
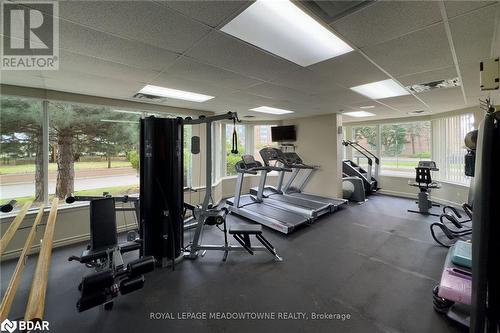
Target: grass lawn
[
  {"x": 117, "y": 190},
  {"x": 30, "y": 168}
]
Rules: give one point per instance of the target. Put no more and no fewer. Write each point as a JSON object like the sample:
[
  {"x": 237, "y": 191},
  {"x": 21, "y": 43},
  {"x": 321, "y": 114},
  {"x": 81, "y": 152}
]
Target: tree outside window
[{"x": 232, "y": 159}]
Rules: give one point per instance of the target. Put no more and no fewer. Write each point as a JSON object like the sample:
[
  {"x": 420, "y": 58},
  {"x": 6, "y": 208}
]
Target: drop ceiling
[{"x": 112, "y": 49}]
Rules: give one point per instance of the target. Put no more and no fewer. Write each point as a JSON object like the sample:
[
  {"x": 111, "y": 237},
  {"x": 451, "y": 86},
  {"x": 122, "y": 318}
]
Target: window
[
  {"x": 188, "y": 156},
  {"x": 93, "y": 149},
  {"x": 262, "y": 138},
  {"x": 21, "y": 151},
  {"x": 232, "y": 159},
  {"x": 365, "y": 136},
  {"x": 448, "y": 147},
  {"x": 402, "y": 146}
]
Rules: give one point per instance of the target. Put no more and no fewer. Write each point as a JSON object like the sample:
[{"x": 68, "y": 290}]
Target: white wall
[{"x": 319, "y": 143}]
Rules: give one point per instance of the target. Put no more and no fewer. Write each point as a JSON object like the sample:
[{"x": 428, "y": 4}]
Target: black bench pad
[{"x": 245, "y": 229}]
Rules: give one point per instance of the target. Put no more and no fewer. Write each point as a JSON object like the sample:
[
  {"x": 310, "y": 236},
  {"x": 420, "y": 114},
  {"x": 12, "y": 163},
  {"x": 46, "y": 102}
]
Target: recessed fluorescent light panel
[
  {"x": 282, "y": 28},
  {"x": 268, "y": 109},
  {"x": 358, "y": 114},
  {"x": 381, "y": 89},
  {"x": 174, "y": 93},
  {"x": 367, "y": 107}
]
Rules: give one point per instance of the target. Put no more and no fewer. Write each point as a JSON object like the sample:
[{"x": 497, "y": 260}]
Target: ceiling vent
[
  {"x": 418, "y": 112},
  {"x": 331, "y": 11},
  {"x": 151, "y": 98},
  {"x": 423, "y": 87}
]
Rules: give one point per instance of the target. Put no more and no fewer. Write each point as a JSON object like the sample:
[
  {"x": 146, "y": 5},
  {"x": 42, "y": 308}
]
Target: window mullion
[{"x": 45, "y": 140}]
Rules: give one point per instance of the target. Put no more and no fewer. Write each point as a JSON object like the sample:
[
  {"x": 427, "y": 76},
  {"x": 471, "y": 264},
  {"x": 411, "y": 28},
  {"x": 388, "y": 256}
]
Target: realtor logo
[{"x": 30, "y": 35}]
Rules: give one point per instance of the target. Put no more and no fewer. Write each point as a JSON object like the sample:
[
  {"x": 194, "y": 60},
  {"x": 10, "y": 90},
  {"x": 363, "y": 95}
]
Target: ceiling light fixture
[
  {"x": 270, "y": 110},
  {"x": 282, "y": 28},
  {"x": 174, "y": 93},
  {"x": 358, "y": 114},
  {"x": 367, "y": 107},
  {"x": 381, "y": 89}
]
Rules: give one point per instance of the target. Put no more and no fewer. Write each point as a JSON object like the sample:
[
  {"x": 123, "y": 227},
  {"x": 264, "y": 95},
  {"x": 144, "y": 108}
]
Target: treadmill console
[
  {"x": 249, "y": 161},
  {"x": 292, "y": 158},
  {"x": 269, "y": 154}
]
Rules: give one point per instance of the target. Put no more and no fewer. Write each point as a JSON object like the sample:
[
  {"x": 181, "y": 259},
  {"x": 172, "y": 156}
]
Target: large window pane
[
  {"x": 93, "y": 149},
  {"x": 21, "y": 150},
  {"x": 448, "y": 147},
  {"x": 188, "y": 156},
  {"x": 262, "y": 138},
  {"x": 365, "y": 136},
  {"x": 232, "y": 159},
  {"x": 403, "y": 146}
]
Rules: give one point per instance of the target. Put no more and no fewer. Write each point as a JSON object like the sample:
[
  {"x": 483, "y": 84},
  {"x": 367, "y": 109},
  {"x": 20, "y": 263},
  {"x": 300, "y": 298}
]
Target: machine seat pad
[
  {"x": 430, "y": 185},
  {"x": 245, "y": 229}
]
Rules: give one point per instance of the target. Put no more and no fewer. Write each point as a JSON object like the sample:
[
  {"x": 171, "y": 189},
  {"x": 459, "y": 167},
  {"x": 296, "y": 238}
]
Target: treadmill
[
  {"x": 259, "y": 210},
  {"x": 293, "y": 161}
]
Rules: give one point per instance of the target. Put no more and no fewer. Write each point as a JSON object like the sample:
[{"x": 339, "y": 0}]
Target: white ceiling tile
[
  {"x": 386, "y": 20},
  {"x": 74, "y": 62},
  {"x": 417, "y": 52},
  {"x": 306, "y": 80},
  {"x": 83, "y": 40},
  {"x": 404, "y": 103},
  {"x": 470, "y": 75},
  {"x": 188, "y": 84},
  {"x": 446, "y": 99},
  {"x": 144, "y": 21},
  {"x": 212, "y": 13},
  {"x": 89, "y": 84},
  {"x": 342, "y": 96},
  {"x": 429, "y": 76},
  {"x": 227, "y": 52},
  {"x": 194, "y": 70},
  {"x": 455, "y": 8},
  {"x": 276, "y": 92},
  {"x": 30, "y": 79},
  {"x": 348, "y": 70},
  {"x": 473, "y": 34}
]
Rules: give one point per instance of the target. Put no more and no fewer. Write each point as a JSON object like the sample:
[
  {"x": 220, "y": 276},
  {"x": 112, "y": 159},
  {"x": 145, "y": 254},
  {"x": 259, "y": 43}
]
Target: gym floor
[{"x": 374, "y": 261}]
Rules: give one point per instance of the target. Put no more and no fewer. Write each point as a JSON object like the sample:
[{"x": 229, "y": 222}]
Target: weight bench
[
  {"x": 112, "y": 276},
  {"x": 242, "y": 234}
]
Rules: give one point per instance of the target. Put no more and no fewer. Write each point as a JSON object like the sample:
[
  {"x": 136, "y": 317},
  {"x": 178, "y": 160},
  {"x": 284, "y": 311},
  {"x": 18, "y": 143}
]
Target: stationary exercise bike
[{"x": 424, "y": 182}]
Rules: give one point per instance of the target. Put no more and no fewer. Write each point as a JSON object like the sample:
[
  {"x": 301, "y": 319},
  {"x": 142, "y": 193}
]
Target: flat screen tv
[{"x": 283, "y": 133}]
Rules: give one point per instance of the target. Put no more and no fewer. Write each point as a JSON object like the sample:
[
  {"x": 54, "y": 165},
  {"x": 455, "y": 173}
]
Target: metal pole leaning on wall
[
  {"x": 36, "y": 301},
  {"x": 10, "y": 293},
  {"x": 7, "y": 236}
]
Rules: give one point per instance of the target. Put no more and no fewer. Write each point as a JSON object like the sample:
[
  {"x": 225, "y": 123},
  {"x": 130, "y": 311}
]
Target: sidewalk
[{"x": 20, "y": 178}]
